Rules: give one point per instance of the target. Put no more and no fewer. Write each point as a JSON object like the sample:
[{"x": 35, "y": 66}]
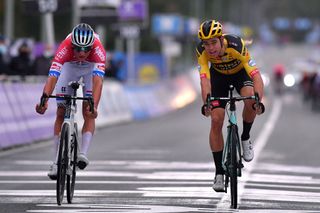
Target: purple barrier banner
[
  {"x": 20, "y": 124},
  {"x": 4, "y": 136},
  {"x": 39, "y": 126},
  {"x": 12, "y": 127},
  {"x": 12, "y": 91}
]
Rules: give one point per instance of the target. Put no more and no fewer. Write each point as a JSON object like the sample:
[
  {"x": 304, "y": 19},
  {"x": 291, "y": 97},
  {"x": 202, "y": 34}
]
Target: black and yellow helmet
[{"x": 210, "y": 29}]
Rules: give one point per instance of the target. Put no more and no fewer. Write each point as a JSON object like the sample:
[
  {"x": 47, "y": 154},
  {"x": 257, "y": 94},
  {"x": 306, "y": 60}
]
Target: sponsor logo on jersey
[
  {"x": 61, "y": 53},
  {"x": 252, "y": 63},
  {"x": 233, "y": 43},
  {"x": 199, "y": 68},
  {"x": 55, "y": 66},
  {"x": 253, "y": 72},
  {"x": 101, "y": 67},
  {"x": 225, "y": 58},
  {"x": 82, "y": 64},
  {"x": 227, "y": 66},
  {"x": 215, "y": 103},
  {"x": 100, "y": 53},
  {"x": 203, "y": 75}
]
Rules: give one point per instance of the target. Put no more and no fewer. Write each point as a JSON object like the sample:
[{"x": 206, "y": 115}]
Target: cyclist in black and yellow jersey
[{"x": 224, "y": 60}]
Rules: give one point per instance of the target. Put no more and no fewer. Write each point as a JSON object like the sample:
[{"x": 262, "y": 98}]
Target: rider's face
[
  {"x": 81, "y": 54},
  {"x": 212, "y": 47}
]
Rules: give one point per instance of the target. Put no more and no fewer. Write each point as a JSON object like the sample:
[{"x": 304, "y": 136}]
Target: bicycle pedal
[
  {"x": 218, "y": 190},
  {"x": 52, "y": 177},
  {"x": 240, "y": 165}
]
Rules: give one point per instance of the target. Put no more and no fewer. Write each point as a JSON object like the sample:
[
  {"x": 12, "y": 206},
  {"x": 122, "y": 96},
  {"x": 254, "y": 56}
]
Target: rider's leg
[
  {"x": 248, "y": 113},
  {"x": 248, "y": 117},
  {"x": 216, "y": 144},
  {"x": 57, "y": 129},
  {"x": 87, "y": 130},
  {"x": 216, "y": 138}
]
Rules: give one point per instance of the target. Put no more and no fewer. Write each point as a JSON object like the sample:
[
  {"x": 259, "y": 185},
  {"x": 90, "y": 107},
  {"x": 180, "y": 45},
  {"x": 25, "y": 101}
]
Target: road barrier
[{"x": 20, "y": 124}]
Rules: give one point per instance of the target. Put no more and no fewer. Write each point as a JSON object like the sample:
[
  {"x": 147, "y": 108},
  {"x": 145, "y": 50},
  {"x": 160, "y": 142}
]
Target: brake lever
[
  {"x": 258, "y": 103},
  {"x": 91, "y": 104},
  {"x": 43, "y": 99}
]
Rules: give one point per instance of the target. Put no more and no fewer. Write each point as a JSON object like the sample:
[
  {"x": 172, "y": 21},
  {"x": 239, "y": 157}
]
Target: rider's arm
[
  {"x": 205, "y": 88},
  {"x": 258, "y": 84},
  {"x": 96, "y": 89},
  {"x": 50, "y": 84},
  {"x": 61, "y": 56},
  {"x": 204, "y": 72},
  {"x": 252, "y": 69}
]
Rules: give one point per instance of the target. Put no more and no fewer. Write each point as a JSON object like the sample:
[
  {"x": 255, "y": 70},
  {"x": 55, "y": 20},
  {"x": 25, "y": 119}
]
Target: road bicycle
[
  {"x": 69, "y": 143},
  {"x": 231, "y": 160}
]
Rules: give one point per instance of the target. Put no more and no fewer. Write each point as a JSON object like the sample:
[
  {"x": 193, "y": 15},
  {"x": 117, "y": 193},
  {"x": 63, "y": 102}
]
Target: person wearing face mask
[
  {"x": 42, "y": 63},
  {"x": 3, "y": 57},
  {"x": 22, "y": 63}
]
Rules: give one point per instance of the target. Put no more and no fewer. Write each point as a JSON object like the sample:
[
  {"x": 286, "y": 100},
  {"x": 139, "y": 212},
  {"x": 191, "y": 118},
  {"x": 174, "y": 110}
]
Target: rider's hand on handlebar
[
  {"x": 90, "y": 114},
  {"x": 259, "y": 109},
  {"x": 206, "y": 107},
  {"x": 205, "y": 111},
  {"x": 258, "y": 106},
  {"x": 43, "y": 105},
  {"x": 41, "y": 109}
]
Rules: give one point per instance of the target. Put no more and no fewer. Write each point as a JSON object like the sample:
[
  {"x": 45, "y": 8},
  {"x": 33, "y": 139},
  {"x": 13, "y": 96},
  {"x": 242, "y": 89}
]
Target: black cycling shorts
[{"x": 220, "y": 84}]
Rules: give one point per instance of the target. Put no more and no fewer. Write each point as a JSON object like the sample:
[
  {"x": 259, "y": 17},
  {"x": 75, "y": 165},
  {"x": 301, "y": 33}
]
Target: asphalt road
[{"x": 164, "y": 165}]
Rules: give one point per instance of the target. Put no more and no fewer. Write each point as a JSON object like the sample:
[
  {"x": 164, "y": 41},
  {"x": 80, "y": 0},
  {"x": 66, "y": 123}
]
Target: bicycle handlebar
[
  {"x": 232, "y": 99},
  {"x": 44, "y": 98}
]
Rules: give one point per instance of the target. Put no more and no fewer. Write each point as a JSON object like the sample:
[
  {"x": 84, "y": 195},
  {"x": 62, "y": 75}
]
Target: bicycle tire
[
  {"x": 234, "y": 140},
  {"x": 71, "y": 177},
  {"x": 62, "y": 163}
]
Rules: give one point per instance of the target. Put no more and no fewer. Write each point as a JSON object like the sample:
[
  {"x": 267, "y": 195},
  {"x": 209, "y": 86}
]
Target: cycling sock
[
  {"x": 217, "y": 157},
  {"x": 56, "y": 140},
  {"x": 86, "y": 139},
  {"x": 246, "y": 130}
]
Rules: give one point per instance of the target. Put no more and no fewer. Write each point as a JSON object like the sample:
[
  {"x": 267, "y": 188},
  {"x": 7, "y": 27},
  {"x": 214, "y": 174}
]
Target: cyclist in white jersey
[{"x": 81, "y": 54}]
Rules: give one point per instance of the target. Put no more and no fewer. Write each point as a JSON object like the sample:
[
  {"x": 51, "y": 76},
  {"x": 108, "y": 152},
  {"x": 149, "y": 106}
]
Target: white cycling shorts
[{"x": 73, "y": 72}]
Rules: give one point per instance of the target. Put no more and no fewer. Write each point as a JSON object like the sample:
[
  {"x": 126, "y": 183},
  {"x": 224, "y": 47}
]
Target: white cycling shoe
[
  {"x": 248, "y": 152},
  {"x": 83, "y": 161},
  {"x": 53, "y": 171},
  {"x": 218, "y": 183}
]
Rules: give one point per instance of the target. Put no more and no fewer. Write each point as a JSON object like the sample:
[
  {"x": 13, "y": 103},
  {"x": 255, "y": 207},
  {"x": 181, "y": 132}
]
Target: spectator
[
  {"x": 3, "y": 56},
  {"x": 278, "y": 75},
  {"x": 115, "y": 67},
  {"x": 21, "y": 64},
  {"x": 42, "y": 63}
]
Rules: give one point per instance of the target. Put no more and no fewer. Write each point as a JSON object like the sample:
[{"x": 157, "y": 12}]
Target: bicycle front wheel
[
  {"x": 234, "y": 140},
  {"x": 71, "y": 177},
  {"x": 62, "y": 163}
]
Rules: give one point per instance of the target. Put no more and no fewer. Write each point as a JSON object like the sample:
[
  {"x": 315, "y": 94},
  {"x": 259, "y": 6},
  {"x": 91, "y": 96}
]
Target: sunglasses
[{"x": 84, "y": 49}]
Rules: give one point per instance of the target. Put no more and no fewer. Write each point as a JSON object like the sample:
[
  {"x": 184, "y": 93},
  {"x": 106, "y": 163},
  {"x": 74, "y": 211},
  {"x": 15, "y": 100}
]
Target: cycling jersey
[
  {"x": 66, "y": 68},
  {"x": 65, "y": 55},
  {"x": 235, "y": 58}
]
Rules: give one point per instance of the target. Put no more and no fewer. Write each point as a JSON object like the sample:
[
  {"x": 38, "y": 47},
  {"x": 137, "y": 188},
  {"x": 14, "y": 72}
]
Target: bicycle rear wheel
[
  {"x": 62, "y": 163},
  {"x": 234, "y": 140},
  {"x": 71, "y": 177}
]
